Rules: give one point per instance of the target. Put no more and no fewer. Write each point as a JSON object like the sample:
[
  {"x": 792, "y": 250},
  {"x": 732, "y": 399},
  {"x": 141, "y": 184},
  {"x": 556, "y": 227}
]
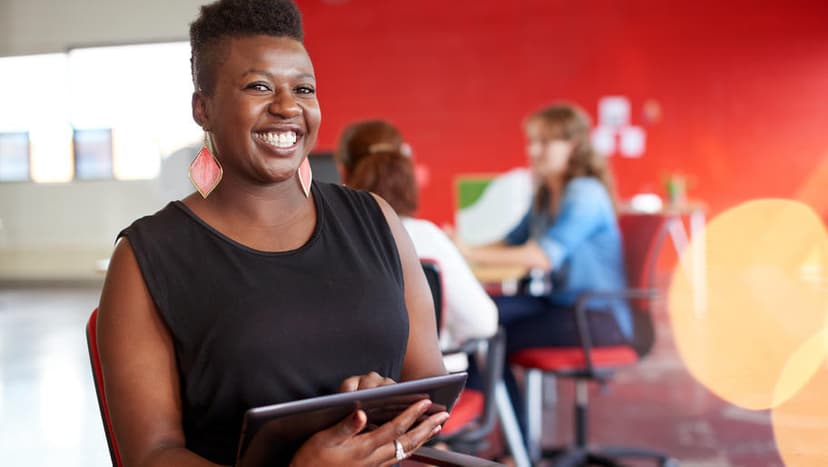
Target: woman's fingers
[
  {"x": 413, "y": 439},
  {"x": 344, "y": 430},
  {"x": 400, "y": 429},
  {"x": 333, "y": 446},
  {"x": 346, "y": 442},
  {"x": 369, "y": 380}
]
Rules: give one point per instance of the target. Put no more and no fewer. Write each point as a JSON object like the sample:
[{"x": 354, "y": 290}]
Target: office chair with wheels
[
  {"x": 476, "y": 412},
  {"x": 424, "y": 455},
  {"x": 643, "y": 235}
]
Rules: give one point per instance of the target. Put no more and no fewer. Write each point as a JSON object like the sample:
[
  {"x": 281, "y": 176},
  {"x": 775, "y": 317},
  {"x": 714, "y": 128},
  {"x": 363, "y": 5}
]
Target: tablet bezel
[{"x": 262, "y": 437}]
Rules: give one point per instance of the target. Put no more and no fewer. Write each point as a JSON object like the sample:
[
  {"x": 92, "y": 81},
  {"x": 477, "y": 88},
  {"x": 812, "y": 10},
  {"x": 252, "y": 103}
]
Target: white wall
[
  {"x": 58, "y": 231},
  {"x": 43, "y": 26}
]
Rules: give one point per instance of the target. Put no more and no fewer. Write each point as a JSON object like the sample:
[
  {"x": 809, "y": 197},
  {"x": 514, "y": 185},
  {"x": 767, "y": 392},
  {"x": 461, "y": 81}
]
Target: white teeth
[{"x": 280, "y": 139}]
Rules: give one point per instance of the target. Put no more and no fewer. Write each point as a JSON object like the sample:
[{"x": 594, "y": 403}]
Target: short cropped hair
[
  {"x": 390, "y": 174},
  {"x": 237, "y": 18}
]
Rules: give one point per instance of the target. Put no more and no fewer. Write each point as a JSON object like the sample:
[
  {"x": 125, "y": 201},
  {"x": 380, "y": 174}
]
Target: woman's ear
[{"x": 200, "y": 110}]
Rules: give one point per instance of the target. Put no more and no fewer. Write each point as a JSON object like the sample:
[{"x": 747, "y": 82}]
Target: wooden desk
[
  {"x": 511, "y": 280},
  {"x": 488, "y": 274}
]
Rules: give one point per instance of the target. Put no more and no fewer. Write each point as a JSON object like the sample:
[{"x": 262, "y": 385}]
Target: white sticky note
[
  {"x": 613, "y": 111},
  {"x": 633, "y": 140}
]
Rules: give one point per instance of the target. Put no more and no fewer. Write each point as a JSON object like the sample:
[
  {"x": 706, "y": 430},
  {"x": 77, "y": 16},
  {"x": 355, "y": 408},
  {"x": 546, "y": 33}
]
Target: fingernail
[
  {"x": 443, "y": 417},
  {"x": 436, "y": 430},
  {"x": 424, "y": 405}
]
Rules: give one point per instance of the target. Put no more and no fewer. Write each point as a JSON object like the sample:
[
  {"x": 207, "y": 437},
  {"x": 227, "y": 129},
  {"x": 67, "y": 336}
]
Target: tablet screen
[{"x": 272, "y": 434}]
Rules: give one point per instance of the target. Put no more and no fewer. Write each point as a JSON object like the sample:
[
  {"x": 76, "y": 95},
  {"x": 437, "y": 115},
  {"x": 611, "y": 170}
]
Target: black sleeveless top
[{"x": 253, "y": 328}]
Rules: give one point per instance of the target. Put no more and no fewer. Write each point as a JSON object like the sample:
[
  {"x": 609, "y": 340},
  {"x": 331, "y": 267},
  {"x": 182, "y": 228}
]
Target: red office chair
[
  {"x": 423, "y": 455},
  {"x": 642, "y": 238},
  {"x": 475, "y": 414},
  {"x": 97, "y": 376}
]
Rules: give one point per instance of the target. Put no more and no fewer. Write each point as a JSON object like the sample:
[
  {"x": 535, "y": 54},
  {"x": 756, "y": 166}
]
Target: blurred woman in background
[
  {"x": 570, "y": 231},
  {"x": 374, "y": 157}
]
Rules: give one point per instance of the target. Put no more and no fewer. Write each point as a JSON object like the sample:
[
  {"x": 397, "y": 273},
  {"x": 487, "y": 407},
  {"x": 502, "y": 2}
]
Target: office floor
[
  {"x": 49, "y": 415},
  {"x": 658, "y": 405}
]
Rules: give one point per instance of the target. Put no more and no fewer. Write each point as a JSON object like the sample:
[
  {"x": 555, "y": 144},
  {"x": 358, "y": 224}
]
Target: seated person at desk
[
  {"x": 265, "y": 286},
  {"x": 382, "y": 169},
  {"x": 570, "y": 230}
]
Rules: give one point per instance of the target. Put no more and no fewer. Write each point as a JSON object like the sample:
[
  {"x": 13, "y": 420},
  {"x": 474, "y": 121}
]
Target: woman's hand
[
  {"x": 368, "y": 380},
  {"x": 344, "y": 444}
]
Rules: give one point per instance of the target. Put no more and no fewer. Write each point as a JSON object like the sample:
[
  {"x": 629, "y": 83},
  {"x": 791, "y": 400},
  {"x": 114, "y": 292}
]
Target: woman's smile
[{"x": 282, "y": 140}]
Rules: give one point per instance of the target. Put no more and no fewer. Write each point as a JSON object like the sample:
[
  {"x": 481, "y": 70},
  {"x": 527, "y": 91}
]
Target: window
[
  {"x": 142, "y": 93},
  {"x": 14, "y": 157},
  {"x": 121, "y": 109},
  {"x": 28, "y": 85},
  {"x": 93, "y": 153}
]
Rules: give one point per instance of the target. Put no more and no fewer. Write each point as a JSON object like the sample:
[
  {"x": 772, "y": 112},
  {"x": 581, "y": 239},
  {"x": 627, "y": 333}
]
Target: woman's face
[
  {"x": 263, "y": 110},
  {"x": 547, "y": 156}
]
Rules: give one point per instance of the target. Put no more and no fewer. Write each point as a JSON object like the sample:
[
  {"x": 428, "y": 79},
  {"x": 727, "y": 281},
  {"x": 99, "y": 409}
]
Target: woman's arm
[
  {"x": 422, "y": 357},
  {"x": 528, "y": 255},
  {"x": 516, "y": 249},
  {"x": 139, "y": 370}
]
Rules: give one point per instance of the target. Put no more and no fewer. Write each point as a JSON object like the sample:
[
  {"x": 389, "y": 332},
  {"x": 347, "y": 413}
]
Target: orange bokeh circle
[
  {"x": 764, "y": 296},
  {"x": 800, "y": 424}
]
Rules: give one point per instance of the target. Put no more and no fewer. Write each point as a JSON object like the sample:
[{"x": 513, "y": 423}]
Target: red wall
[{"x": 743, "y": 87}]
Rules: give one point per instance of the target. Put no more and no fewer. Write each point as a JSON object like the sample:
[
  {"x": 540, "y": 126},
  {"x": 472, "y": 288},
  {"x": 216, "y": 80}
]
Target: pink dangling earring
[
  {"x": 205, "y": 171},
  {"x": 305, "y": 176}
]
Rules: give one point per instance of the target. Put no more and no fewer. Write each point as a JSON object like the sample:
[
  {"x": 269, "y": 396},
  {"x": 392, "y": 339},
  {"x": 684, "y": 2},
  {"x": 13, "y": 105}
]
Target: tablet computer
[{"x": 272, "y": 434}]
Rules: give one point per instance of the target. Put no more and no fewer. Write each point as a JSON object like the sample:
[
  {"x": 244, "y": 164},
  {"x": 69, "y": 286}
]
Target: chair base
[{"x": 574, "y": 456}]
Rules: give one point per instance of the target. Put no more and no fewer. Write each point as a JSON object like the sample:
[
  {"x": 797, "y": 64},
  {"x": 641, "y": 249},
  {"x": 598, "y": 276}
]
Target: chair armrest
[
  {"x": 441, "y": 458},
  {"x": 491, "y": 371},
  {"x": 585, "y": 297},
  {"x": 469, "y": 346}
]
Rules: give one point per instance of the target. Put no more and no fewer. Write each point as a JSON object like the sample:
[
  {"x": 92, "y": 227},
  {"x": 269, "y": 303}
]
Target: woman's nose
[{"x": 284, "y": 104}]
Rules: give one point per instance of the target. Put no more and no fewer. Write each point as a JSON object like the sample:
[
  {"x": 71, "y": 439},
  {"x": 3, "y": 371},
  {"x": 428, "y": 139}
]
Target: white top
[{"x": 467, "y": 309}]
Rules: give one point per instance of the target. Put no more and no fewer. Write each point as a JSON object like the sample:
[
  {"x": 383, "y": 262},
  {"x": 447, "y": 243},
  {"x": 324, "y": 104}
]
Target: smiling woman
[
  {"x": 259, "y": 78},
  {"x": 263, "y": 287}
]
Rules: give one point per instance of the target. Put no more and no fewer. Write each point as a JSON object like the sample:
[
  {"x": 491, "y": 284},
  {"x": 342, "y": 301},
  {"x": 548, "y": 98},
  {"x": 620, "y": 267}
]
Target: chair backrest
[
  {"x": 642, "y": 236},
  {"x": 431, "y": 269},
  {"x": 97, "y": 376},
  {"x": 495, "y": 355}
]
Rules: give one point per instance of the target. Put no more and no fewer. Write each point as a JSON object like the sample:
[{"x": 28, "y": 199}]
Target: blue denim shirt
[{"x": 584, "y": 241}]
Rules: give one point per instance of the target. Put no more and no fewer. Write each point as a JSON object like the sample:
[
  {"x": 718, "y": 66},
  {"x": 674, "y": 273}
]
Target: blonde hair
[{"x": 571, "y": 123}]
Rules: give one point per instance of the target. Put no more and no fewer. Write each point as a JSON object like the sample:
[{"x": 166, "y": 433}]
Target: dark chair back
[
  {"x": 494, "y": 359},
  {"x": 435, "y": 282},
  {"x": 642, "y": 236}
]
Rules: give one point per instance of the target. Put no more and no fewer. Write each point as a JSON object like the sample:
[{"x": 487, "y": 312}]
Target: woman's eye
[{"x": 263, "y": 87}]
